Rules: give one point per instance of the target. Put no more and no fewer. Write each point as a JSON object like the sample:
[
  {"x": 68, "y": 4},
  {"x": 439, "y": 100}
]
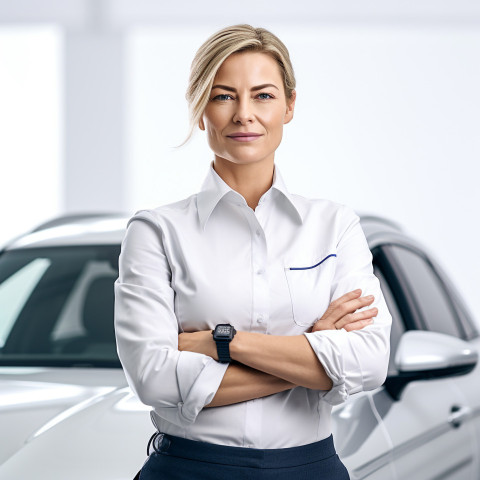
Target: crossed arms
[{"x": 268, "y": 364}]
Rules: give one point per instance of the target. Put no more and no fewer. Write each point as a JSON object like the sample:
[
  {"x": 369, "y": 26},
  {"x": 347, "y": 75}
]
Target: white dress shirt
[{"x": 211, "y": 259}]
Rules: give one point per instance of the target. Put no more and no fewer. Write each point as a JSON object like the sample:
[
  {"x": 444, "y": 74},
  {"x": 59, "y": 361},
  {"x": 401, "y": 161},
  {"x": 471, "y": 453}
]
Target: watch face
[{"x": 223, "y": 331}]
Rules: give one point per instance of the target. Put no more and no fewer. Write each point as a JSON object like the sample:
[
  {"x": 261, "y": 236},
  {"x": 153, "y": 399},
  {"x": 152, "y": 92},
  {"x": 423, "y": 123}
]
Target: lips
[{"x": 244, "y": 136}]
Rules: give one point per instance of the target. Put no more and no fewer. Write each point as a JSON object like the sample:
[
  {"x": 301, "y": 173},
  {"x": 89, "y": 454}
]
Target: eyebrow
[{"x": 253, "y": 89}]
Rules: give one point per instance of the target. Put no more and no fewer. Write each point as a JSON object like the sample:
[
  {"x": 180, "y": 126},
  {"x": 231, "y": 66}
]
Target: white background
[{"x": 386, "y": 121}]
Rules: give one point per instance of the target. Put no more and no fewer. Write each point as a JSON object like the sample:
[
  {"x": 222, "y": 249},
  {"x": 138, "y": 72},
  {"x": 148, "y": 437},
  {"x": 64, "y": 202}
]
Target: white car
[{"x": 67, "y": 413}]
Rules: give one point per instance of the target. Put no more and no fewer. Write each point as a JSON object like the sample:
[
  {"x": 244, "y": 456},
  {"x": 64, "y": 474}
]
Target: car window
[
  {"x": 425, "y": 287},
  {"x": 397, "y": 322},
  {"x": 16, "y": 289},
  {"x": 56, "y": 306},
  {"x": 71, "y": 321}
]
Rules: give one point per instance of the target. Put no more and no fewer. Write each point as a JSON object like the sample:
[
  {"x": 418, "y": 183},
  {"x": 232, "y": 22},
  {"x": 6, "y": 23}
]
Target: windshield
[{"x": 56, "y": 306}]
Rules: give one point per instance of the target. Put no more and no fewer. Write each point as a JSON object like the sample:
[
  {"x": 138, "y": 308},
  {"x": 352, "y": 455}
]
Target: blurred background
[{"x": 387, "y": 120}]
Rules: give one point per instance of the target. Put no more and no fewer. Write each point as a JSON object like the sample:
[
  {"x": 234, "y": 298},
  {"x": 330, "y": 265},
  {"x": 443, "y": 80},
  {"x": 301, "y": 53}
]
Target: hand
[
  {"x": 199, "y": 342},
  {"x": 340, "y": 313}
]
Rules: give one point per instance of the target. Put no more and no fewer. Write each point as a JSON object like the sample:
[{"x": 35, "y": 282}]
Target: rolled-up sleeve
[
  {"x": 356, "y": 360},
  {"x": 177, "y": 384}
]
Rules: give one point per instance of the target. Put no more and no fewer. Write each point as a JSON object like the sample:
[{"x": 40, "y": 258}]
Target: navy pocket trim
[{"x": 313, "y": 266}]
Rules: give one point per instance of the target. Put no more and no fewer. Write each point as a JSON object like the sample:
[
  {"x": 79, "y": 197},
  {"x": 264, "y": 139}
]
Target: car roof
[
  {"x": 109, "y": 229},
  {"x": 79, "y": 229}
]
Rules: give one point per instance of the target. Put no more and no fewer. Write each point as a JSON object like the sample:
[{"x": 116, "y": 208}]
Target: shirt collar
[{"x": 214, "y": 189}]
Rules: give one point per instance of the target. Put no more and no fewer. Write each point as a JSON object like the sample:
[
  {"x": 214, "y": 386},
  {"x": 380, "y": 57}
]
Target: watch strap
[{"x": 223, "y": 350}]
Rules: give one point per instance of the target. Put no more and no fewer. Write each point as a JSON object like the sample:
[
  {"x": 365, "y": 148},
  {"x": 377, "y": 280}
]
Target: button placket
[
  {"x": 261, "y": 293},
  {"x": 260, "y": 310}
]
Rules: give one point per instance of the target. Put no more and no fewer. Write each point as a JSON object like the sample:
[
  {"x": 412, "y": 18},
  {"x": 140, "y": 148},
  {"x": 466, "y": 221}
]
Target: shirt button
[
  {"x": 260, "y": 319},
  {"x": 257, "y": 233},
  {"x": 260, "y": 271}
]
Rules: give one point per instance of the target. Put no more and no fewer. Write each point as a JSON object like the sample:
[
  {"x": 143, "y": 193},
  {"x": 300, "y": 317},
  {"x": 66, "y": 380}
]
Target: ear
[
  {"x": 201, "y": 125},
  {"x": 290, "y": 107}
]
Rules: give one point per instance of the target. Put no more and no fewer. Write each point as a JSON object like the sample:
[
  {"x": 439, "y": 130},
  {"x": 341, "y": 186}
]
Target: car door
[
  {"x": 468, "y": 385},
  {"x": 426, "y": 442},
  {"x": 361, "y": 440}
]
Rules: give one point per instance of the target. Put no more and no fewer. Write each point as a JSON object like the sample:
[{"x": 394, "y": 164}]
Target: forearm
[
  {"x": 241, "y": 383},
  {"x": 288, "y": 357}
]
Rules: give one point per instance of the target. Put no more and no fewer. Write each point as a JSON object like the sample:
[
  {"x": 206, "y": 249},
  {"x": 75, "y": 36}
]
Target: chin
[{"x": 246, "y": 159}]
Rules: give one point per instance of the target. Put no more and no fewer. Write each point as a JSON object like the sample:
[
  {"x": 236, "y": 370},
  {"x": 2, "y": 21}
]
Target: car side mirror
[{"x": 429, "y": 355}]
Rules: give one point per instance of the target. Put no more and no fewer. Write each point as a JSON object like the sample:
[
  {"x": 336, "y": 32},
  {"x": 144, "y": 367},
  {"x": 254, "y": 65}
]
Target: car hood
[
  {"x": 30, "y": 398},
  {"x": 100, "y": 433}
]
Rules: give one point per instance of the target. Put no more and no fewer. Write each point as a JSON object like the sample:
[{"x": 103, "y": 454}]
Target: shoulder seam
[{"x": 144, "y": 215}]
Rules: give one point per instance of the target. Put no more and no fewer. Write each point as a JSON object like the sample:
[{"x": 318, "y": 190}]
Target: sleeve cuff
[
  {"x": 329, "y": 347},
  {"x": 336, "y": 395},
  {"x": 197, "y": 386}
]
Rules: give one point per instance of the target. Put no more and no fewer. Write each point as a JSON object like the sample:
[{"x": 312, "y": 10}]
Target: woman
[{"x": 224, "y": 316}]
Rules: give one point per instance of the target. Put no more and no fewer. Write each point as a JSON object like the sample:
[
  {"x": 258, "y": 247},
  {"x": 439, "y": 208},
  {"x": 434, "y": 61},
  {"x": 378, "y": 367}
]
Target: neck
[{"x": 249, "y": 180}]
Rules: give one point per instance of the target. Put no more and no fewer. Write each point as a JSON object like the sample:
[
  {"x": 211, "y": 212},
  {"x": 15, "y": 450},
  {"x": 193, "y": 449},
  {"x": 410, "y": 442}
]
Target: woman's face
[{"x": 247, "y": 96}]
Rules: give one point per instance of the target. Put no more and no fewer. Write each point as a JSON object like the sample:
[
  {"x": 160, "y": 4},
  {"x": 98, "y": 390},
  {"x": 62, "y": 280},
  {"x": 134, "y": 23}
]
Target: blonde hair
[{"x": 216, "y": 49}]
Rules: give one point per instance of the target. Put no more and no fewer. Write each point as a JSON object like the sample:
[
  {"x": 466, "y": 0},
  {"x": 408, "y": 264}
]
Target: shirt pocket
[{"x": 309, "y": 287}]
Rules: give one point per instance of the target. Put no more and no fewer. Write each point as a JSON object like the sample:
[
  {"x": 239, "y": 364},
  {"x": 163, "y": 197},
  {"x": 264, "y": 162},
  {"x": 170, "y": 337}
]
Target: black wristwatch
[{"x": 223, "y": 335}]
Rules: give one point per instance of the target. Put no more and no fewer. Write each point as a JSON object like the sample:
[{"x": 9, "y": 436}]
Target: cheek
[
  {"x": 214, "y": 124},
  {"x": 274, "y": 120},
  {"x": 214, "y": 132}
]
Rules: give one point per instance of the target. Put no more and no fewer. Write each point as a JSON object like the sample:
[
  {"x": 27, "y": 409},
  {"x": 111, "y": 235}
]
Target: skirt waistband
[{"x": 167, "y": 444}]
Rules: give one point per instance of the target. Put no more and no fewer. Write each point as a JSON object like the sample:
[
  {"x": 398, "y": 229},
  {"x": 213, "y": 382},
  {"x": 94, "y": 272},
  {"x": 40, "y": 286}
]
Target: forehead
[{"x": 256, "y": 67}]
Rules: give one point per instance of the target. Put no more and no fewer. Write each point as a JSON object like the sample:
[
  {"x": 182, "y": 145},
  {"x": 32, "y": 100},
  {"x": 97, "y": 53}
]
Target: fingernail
[
  {"x": 358, "y": 290},
  {"x": 369, "y": 297}
]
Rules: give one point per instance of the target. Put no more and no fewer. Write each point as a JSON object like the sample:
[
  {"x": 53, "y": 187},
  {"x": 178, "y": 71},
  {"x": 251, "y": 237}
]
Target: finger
[
  {"x": 346, "y": 297},
  {"x": 321, "y": 325},
  {"x": 338, "y": 302},
  {"x": 357, "y": 303},
  {"x": 340, "y": 310},
  {"x": 355, "y": 317},
  {"x": 358, "y": 325}
]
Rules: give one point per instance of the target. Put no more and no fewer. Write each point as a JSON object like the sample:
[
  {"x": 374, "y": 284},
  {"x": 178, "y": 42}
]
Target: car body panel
[
  {"x": 31, "y": 397},
  {"x": 424, "y": 444},
  {"x": 469, "y": 388},
  {"x": 103, "y": 438},
  {"x": 361, "y": 440}
]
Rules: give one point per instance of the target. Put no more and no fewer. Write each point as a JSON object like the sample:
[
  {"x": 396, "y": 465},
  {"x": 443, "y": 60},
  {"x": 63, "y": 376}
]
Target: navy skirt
[{"x": 176, "y": 458}]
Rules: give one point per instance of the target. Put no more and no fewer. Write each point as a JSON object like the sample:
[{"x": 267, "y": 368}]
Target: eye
[
  {"x": 222, "y": 97},
  {"x": 265, "y": 98}
]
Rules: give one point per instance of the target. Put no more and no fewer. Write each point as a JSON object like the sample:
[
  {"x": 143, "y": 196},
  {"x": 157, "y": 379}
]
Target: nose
[{"x": 243, "y": 111}]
